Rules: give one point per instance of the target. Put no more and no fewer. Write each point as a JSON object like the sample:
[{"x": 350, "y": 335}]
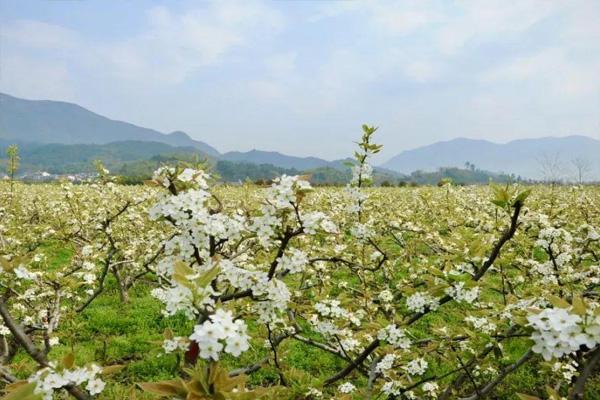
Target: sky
[{"x": 300, "y": 77}]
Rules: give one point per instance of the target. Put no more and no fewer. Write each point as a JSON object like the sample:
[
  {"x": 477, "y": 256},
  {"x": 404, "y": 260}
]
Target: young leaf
[
  {"x": 69, "y": 361},
  {"x": 579, "y": 307},
  {"x": 111, "y": 369},
  {"x": 558, "y": 302},
  {"x": 164, "y": 388},
  {"x": 21, "y": 391}
]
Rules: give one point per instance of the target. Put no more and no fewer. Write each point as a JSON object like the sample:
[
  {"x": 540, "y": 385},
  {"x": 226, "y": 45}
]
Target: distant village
[{"x": 43, "y": 176}]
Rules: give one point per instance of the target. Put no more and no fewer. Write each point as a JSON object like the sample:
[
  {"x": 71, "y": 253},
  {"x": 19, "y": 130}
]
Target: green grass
[{"x": 109, "y": 332}]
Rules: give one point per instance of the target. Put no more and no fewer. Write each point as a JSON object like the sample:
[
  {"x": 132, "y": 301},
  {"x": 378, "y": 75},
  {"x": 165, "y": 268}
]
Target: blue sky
[{"x": 300, "y": 77}]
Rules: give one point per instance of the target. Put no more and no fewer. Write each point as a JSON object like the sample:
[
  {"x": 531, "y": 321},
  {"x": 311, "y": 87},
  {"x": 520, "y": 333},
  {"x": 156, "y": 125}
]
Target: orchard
[{"x": 185, "y": 288}]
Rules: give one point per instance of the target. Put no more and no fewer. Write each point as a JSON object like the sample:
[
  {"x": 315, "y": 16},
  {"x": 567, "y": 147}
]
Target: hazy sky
[{"x": 300, "y": 77}]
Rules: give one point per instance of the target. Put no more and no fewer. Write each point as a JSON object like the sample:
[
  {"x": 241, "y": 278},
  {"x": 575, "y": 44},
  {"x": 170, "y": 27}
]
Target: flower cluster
[
  {"x": 558, "y": 332},
  {"x": 459, "y": 293},
  {"x": 346, "y": 387},
  {"x": 362, "y": 231},
  {"x": 386, "y": 363},
  {"x": 394, "y": 336},
  {"x": 221, "y": 328},
  {"x": 282, "y": 197},
  {"x": 418, "y": 366},
  {"x": 165, "y": 175},
  {"x": 550, "y": 238},
  {"x": 175, "y": 343},
  {"x": 47, "y": 380},
  {"x": 179, "y": 298},
  {"x": 360, "y": 173},
  {"x": 482, "y": 324},
  {"x": 293, "y": 262},
  {"x": 331, "y": 309},
  {"x": 313, "y": 221},
  {"x": 420, "y": 301}
]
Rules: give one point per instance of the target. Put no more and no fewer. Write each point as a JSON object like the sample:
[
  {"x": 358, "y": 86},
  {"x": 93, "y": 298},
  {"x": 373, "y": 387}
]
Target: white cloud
[
  {"x": 24, "y": 77},
  {"x": 450, "y": 25},
  {"x": 420, "y": 71},
  {"x": 34, "y": 59},
  {"x": 526, "y": 67},
  {"x": 269, "y": 90},
  {"x": 490, "y": 20},
  {"x": 282, "y": 63},
  {"x": 553, "y": 69},
  {"x": 403, "y": 18},
  {"x": 38, "y": 35},
  {"x": 168, "y": 50},
  {"x": 387, "y": 16},
  {"x": 175, "y": 45}
]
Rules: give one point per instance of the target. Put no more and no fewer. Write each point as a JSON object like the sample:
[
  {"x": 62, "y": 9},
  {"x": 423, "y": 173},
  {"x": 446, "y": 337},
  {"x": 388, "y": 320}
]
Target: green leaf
[
  {"x": 165, "y": 388},
  {"x": 183, "y": 269},
  {"x": 69, "y": 361},
  {"x": 554, "y": 395},
  {"x": 522, "y": 196},
  {"x": 183, "y": 281},
  {"x": 21, "y": 391},
  {"x": 500, "y": 203},
  {"x": 558, "y": 302},
  {"x": 111, "y": 369},
  {"x": 208, "y": 276},
  {"x": 579, "y": 307}
]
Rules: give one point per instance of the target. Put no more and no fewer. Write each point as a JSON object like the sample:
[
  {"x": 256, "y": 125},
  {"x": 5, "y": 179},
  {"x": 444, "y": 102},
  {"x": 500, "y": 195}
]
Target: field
[{"x": 190, "y": 289}]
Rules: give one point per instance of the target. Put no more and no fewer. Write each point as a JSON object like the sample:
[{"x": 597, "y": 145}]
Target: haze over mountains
[
  {"x": 520, "y": 157},
  {"x": 37, "y": 123}
]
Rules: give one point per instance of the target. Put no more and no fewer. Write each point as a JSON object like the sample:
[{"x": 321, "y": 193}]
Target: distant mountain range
[
  {"x": 72, "y": 158},
  {"x": 36, "y": 124},
  {"x": 525, "y": 157},
  {"x": 275, "y": 158},
  {"x": 46, "y": 121}
]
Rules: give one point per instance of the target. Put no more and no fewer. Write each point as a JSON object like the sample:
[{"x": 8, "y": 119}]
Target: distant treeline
[{"x": 135, "y": 161}]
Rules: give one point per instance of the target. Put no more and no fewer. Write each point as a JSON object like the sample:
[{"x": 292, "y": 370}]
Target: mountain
[
  {"x": 74, "y": 158},
  {"x": 34, "y": 123},
  {"x": 46, "y": 121},
  {"x": 275, "y": 158},
  {"x": 526, "y": 157}
]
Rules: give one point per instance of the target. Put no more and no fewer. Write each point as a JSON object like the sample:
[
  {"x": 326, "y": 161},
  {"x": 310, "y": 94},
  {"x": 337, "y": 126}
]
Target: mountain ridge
[
  {"x": 50, "y": 121},
  {"x": 524, "y": 157}
]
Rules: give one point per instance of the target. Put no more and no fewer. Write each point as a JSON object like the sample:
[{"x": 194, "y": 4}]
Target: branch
[
  {"x": 100, "y": 287},
  {"x": 505, "y": 372},
  {"x": 579, "y": 386},
  {"x": 353, "y": 364},
  {"x": 506, "y": 236},
  {"x": 25, "y": 341},
  {"x": 6, "y": 376}
]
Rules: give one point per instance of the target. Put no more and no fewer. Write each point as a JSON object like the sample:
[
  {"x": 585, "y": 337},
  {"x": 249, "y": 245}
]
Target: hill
[
  {"x": 523, "y": 157},
  {"x": 137, "y": 160},
  {"x": 62, "y": 159},
  {"x": 46, "y": 121},
  {"x": 275, "y": 158}
]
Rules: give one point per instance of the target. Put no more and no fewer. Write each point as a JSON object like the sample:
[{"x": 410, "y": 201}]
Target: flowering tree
[{"x": 33, "y": 299}]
